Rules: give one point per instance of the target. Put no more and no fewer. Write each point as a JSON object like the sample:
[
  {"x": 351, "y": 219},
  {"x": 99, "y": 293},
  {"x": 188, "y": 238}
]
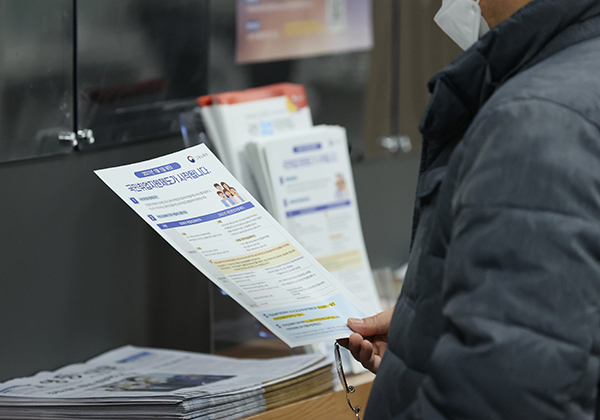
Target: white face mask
[{"x": 461, "y": 20}]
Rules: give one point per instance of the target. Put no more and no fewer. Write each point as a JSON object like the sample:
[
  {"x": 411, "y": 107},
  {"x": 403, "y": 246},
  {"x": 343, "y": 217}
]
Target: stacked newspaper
[
  {"x": 233, "y": 118},
  {"x": 132, "y": 383}
]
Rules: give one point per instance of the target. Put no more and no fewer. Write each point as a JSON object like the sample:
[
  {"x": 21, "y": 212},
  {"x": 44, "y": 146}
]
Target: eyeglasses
[{"x": 348, "y": 388}]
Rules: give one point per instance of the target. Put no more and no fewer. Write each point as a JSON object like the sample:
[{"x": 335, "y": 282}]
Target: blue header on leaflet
[
  {"x": 207, "y": 217},
  {"x": 307, "y": 147},
  {"x": 158, "y": 170},
  {"x": 317, "y": 209}
]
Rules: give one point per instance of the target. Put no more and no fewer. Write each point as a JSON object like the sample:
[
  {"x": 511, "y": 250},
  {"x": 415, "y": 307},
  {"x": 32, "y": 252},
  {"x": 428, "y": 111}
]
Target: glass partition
[
  {"x": 140, "y": 64},
  {"x": 91, "y": 73},
  {"x": 36, "y": 78}
]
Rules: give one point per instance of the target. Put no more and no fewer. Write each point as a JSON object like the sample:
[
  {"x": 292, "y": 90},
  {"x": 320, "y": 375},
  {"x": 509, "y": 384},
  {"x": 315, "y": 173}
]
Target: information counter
[{"x": 328, "y": 406}]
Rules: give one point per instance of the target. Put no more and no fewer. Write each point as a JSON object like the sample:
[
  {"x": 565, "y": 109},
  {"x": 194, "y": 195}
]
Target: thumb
[{"x": 372, "y": 325}]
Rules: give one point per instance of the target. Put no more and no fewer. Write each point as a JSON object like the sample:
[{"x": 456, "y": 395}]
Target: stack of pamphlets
[
  {"x": 132, "y": 383},
  {"x": 305, "y": 178},
  {"x": 233, "y": 118}
]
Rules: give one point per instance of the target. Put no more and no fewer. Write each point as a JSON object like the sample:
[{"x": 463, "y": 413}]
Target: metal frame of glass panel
[
  {"x": 137, "y": 66},
  {"x": 36, "y": 77}
]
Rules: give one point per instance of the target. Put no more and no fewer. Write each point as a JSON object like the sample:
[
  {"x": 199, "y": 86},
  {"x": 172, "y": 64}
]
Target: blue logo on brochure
[
  {"x": 152, "y": 218},
  {"x": 266, "y": 128},
  {"x": 134, "y": 200}
]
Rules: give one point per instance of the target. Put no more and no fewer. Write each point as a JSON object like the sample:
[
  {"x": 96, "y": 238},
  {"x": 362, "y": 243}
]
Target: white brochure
[
  {"x": 315, "y": 200},
  {"x": 233, "y": 118},
  {"x": 237, "y": 244}
]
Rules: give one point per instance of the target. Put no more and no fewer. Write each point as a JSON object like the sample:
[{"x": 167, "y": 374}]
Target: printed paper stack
[
  {"x": 233, "y": 118},
  {"x": 306, "y": 179},
  {"x": 133, "y": 383}
]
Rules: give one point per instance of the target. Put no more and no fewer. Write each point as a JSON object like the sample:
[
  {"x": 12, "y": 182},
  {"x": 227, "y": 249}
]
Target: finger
[
  {"x": 354, "y": 345},
  {"x": 373, "y": 325},
  {"x": 361, "y": 349},
  {"x": 365, "y": 352},
  {"x": 368, "y": 358},
  {"x": 344, "y": 342}
]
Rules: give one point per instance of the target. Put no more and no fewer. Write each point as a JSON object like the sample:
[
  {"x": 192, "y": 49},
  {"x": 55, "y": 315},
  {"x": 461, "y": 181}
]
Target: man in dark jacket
[{"x": 499, "y": 317}]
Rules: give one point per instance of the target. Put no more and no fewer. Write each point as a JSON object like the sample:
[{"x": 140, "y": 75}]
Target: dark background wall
[{"x": 80, "y": 273}]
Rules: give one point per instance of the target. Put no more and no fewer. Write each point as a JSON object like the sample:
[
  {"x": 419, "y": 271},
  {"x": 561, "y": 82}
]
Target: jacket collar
[{"x": 538, "y": 30}]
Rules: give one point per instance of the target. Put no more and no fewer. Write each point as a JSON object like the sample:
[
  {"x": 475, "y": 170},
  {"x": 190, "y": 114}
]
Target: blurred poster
[{"x": 269, "y": 30}]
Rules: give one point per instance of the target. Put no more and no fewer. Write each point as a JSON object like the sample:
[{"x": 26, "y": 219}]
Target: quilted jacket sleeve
[{"x": 522, "y": 275}]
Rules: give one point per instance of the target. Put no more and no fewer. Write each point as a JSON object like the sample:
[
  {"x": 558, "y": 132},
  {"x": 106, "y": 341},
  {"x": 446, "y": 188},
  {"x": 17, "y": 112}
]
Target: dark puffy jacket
[{"x": 500, "y": 313}]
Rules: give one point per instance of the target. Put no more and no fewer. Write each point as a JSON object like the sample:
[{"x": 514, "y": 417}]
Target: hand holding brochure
[{"x": 198, "y": 207}]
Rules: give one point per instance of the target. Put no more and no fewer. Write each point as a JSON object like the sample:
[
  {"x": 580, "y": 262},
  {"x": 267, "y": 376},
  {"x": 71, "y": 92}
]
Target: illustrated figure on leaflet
[
  {"x": 236, "y": 194},
  {"x": 223, "y": 198},
  {"x": 225, "y": 194},
  {"x": 341, "y": 188},
  {"x": 230, "y": 198},
  {"x": 229, "y": 195},
  {"x": 225, "y": 186}
]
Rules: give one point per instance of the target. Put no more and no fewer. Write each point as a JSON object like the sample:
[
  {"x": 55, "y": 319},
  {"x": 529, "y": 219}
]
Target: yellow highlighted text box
[
  {"x": 341, "y": 261},
  {"x": 329, "y": 305},
  {"x": 245, "y": 238},
  {"x": 303, "y": 27},
  {"x": 279, "y": 318},
  {"x": 265, "y": 258},
  {"x": 325, "y": 318}
]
